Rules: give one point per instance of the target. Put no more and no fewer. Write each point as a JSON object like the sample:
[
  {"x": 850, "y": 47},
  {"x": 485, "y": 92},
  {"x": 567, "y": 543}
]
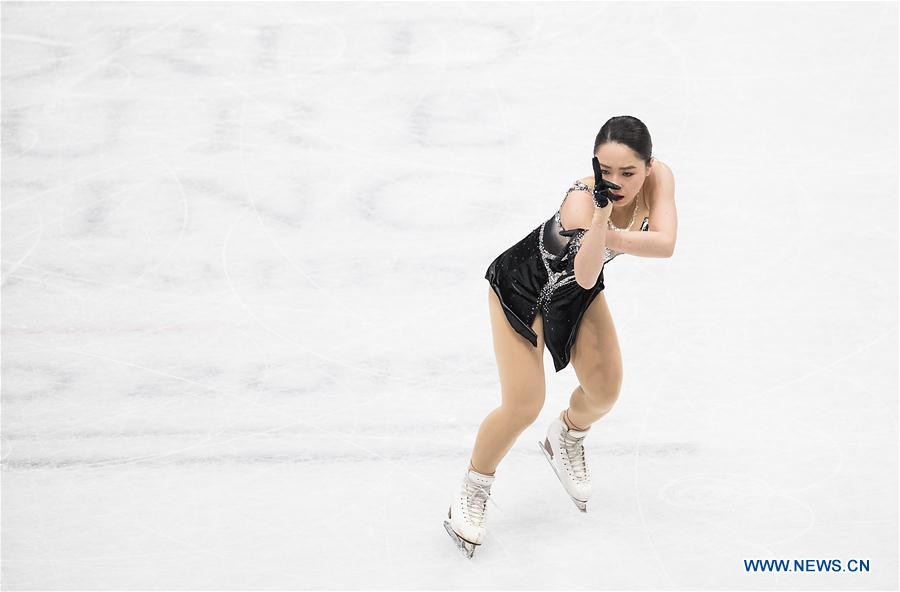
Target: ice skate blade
[
  {"x": 581, "y": 505},
  {"x": 467, "y": 548}
]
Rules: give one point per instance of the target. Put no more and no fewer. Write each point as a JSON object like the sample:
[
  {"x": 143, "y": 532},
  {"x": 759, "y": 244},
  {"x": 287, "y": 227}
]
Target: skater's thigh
[
  {"x": 596, "y": 356},
  {"x": 520, "y": 364}
]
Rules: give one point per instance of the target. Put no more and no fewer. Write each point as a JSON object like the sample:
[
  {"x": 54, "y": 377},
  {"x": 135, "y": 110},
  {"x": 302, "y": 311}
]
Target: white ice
[{"x": 246, "y": 340}]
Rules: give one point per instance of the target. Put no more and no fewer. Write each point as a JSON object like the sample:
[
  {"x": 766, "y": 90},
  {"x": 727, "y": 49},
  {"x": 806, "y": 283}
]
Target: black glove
[
  {"x": 566, "y": 261},
  {"x": 601, "y": 186}
]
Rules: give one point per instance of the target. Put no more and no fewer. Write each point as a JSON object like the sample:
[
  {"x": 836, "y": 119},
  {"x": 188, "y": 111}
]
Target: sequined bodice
[
  {"x": 537, "y": 274},
  {"x": 578, "y": 233}
]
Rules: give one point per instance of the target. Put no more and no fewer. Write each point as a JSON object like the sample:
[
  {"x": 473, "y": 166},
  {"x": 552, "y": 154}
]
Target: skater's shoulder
[
  {"x": 587, "y": 182},
  {"x": 577, "y": 208}
]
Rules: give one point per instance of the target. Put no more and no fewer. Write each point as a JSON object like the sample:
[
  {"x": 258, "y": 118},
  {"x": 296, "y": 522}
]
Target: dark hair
[{"x": 627, "y": 130}]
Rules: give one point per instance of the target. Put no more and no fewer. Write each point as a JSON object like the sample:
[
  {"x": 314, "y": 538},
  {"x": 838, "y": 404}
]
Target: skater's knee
[
  {"x": 602, "y": 395},
  {"x": 522, "y": 415}
]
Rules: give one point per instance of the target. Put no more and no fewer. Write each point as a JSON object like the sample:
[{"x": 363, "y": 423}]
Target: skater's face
[{"x": 622, "y": 166}]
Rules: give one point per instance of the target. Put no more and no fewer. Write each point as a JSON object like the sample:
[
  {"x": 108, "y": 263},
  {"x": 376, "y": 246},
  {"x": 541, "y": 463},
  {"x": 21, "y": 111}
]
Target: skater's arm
[
  {"x": 589, "y": 260},
  {"x": 578, "y": 212},
  {"x": 642, "y": 243},
  {"x": 659, "y": 240}
]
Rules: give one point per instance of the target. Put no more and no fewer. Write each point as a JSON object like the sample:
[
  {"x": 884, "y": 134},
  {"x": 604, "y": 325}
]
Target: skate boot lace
[
  {"x": 477, "y": 497},
  {"x": 574, "y": 447}
]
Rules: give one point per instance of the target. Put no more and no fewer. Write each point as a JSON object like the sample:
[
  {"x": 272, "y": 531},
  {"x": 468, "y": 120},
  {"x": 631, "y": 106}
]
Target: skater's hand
[
  {"x": 601, "y": 193},
  {"x": 566, "y": 261}
]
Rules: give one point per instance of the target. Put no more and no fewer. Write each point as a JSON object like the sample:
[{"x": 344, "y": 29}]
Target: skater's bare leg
[
  {"x": 597, "y": 360},
  {"x": 564, "y": 415},
  {"x": 522, "y": 387}
]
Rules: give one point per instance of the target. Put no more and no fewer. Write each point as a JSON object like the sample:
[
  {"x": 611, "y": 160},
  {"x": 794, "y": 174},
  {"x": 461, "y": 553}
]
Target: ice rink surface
[{"x": 245, "y": 334}]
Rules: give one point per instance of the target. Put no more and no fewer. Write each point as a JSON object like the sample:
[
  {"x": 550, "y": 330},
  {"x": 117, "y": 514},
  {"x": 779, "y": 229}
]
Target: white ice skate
[
  {"x": 564, "y": 450},
  {"x": 467, "y": 512}
]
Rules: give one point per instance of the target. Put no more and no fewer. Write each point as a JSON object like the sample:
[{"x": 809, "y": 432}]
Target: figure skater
[{"x": 548, "y": 289}]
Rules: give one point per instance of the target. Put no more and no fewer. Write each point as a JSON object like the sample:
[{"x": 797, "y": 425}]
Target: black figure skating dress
[{"x": 539, "y": 272}]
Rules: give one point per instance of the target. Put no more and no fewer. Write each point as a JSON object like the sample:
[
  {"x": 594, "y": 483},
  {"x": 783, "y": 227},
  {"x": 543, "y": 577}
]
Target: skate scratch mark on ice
[
  {"x": 663, "y": 374},
  {"x": 42, "y": 530},
  {"x": 70, "y": 213},
  {"x": 181, "y": 232},
  {"x": 135, "y": 410},
  {"x": 106, "y": 59},
  {"x": 825, "y": 433},
  {"x": 353, "y": 151},
  {"x": 507, "y": 556},
  {"x": 827, "y": 367},
  {"x": 249, "y": 193},
  {"x": 300, "y": 347},
  {"x": 112, "y": 199},
  {"x": 264, "y": 374},
  {"x": 70, "y": 184},
  {"x": 134, "y": 281},
  {"x": 812, "y": 520},
  {"x": 212, "y": 438},
  {"x": 15, "y": 266},
  {"x": 95, "y": 67},
  {"x": 837, "y": 451},
  {"x": 387, "y": 526},
  {"x": 860, "y": 71}
]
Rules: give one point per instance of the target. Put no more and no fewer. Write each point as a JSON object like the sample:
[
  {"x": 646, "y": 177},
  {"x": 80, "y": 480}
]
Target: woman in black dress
[{"x": 547, "y": 289}]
